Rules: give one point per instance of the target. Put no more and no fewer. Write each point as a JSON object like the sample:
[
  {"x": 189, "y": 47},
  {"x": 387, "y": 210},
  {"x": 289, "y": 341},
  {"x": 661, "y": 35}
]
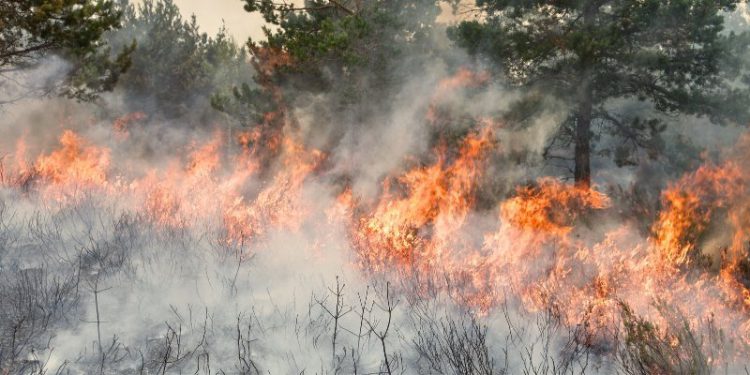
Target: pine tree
[
  {"x": 672, "y": 54},
  {"x": 31, "y": 30}
]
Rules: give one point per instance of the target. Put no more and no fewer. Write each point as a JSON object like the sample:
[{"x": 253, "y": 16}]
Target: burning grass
[{"x": 549, "y": 253}]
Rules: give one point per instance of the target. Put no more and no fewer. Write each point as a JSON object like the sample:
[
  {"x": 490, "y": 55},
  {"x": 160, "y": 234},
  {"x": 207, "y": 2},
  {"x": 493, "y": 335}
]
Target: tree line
[{"x": 674, "y": 57}]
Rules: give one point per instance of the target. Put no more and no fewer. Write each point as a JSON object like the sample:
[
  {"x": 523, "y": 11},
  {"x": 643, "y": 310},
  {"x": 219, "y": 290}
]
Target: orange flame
[
  {"x": 688, "y": 208},
  {"x": 75, "y": 162},
  {"x": 551, "y": 207},
  {"x": 539, "y": 248},
  {"x": 438, "y": 198}
]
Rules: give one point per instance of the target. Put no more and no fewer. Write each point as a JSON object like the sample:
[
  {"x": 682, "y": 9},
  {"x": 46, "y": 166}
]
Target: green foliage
[
  {"x": 72, "y": 29},
  {"x": 175, "y": 64},
  {"x": 346, "y": 33},
  {"x": 673, "y": 55},
  {"x": 243, "y": 102},
  {"x": 351, "y": 50}
]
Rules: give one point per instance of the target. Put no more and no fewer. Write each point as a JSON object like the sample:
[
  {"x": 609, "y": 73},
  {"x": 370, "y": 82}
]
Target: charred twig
[
  {"x": 382, "y": 335},
  {"x": 247, "y": 364},
  {"x": 339, "y": 311}
]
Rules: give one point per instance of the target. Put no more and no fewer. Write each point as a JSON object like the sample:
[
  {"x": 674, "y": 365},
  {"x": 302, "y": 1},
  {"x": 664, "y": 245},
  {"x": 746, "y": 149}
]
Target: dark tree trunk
[
  {"x": 582, "y": 137},
  {"x": 582, "y": 172}
]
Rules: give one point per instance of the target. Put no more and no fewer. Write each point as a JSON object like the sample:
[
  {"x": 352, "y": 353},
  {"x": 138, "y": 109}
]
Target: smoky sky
[{"x": 211, "y": 14}]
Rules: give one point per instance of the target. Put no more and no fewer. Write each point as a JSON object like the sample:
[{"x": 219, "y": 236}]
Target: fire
[
  {"x": 551, "y": 207},
  {"x": 63, "y": 174},
  {"x": 534, "y": 251},
  {"x": 184, "y": 194},
  {"x": 20, "y": 172},
  {"x": 209, "y": 181},
  {"x": 278, "y": 205},
  {"x": 690, "y": 205},
  {"x": 75, "y": 162},
  {"x": 205, "y": 159},
  {"x": 436, "y": 199},
  {"x": 547, "y": 246}
]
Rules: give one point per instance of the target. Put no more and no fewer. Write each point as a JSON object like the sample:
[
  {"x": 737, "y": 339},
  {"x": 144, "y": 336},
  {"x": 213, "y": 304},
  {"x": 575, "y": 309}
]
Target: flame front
[{"x": 549, "y": 245}]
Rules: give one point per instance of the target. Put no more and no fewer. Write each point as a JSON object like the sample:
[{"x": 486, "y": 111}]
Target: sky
[
  {"x": 240, "y": 24},
  {"x": 211, "y": 14}
]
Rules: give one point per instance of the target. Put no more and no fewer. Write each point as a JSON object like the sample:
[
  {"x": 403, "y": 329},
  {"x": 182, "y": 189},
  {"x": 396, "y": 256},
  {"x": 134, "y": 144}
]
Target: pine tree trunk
[{"x": 582, "y": 172}]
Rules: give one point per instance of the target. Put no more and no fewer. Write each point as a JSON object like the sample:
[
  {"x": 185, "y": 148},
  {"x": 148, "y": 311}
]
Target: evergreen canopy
[{"x": 673, "y": 54}]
